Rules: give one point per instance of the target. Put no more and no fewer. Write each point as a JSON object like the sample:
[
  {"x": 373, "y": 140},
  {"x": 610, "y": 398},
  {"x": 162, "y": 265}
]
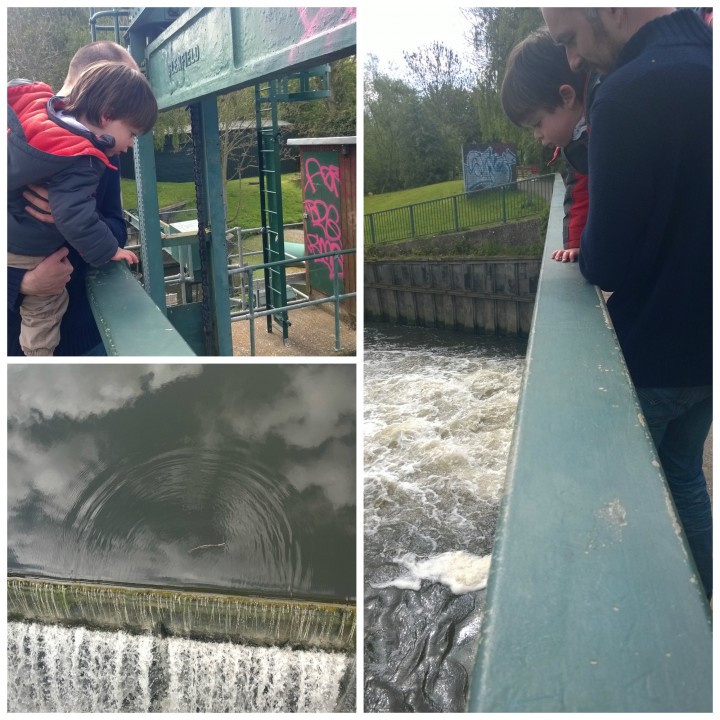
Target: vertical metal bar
[
  {"x": 211, "y": 195},
  {"x": 336, "y": 294},
  {"x": 251, "y": 300},
  {"x": 148, "y": 206}
]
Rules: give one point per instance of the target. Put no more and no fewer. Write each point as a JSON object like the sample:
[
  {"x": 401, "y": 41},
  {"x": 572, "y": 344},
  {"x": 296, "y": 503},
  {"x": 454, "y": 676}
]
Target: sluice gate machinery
[{"x": 190, "y": 56}]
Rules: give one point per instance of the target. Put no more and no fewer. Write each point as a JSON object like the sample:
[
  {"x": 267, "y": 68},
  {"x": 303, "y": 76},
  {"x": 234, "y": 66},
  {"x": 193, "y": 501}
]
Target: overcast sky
[{"x": 386, "y": 30}]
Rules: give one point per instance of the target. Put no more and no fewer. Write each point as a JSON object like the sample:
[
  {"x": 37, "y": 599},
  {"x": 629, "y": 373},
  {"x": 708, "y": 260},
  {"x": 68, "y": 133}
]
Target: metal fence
[{"x": 492, "y": 206}]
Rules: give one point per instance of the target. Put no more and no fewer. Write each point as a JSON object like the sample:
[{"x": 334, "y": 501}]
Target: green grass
[
  {"x": 400, "y": 198},
  {"x": 444, "y": 215},
  {"x": 248, "y": 194}
]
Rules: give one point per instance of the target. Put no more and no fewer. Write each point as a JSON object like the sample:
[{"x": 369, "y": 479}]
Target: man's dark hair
[
  {"x": 535, "y": 70},
  {"x": 114, "y": 91}
]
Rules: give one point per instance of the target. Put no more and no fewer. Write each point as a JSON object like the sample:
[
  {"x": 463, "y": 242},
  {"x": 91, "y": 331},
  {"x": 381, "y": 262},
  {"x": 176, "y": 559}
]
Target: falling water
[
  {"x": 439, "y": 414},
  {"x": 59, "y": 669},
  {"x": 203, "y": 514}
]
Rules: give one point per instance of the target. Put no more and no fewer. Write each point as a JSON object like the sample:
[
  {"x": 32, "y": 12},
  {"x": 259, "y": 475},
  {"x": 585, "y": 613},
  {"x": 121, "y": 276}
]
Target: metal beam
[
  {"x": 215, "y": 50},
  {"x": 593, "y": 601},
  {"x": 129, "y": 321}
]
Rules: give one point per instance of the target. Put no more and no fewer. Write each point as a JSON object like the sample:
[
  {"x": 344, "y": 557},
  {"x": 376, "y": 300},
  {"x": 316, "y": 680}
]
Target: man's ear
[
  {"x": 568, "y": 95},
  {"x": 613, "y": 18}
]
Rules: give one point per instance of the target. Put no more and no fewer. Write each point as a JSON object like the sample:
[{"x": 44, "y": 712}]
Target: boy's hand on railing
[
  {"x": 569, "y": 255},
  {"x": 128, "y": 255}
]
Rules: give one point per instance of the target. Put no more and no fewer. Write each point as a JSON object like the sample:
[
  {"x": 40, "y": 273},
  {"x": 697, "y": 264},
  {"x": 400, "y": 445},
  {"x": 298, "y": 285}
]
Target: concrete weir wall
[
  {"x": 471, "y": 295},
  {"x": 223, "y": 618}
]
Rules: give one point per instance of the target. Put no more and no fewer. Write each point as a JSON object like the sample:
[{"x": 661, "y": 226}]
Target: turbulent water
[
  {"x": 439, "y": 414},
  {"x": 58, "y": 669}
]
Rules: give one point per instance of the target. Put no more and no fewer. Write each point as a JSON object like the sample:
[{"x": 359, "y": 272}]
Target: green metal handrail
[
  {"x": 593, "y": 603},
  {"x": 130, "y": 323}
]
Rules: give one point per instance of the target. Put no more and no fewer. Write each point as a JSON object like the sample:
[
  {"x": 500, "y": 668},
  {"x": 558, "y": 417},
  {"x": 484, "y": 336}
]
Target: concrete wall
[
  {"x": 465, "y": 294},
  {"x": 513, "y": 234}
]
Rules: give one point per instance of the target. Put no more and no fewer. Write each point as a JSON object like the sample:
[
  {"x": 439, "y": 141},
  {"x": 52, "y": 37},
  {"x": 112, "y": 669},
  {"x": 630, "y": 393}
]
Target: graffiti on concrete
[{"x": 488, "y": 165}]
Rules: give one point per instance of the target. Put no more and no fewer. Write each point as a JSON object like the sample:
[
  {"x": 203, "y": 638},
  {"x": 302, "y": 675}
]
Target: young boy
[
  {"x": 65, "y": 143},
  {"x": 541, "y": 92}
]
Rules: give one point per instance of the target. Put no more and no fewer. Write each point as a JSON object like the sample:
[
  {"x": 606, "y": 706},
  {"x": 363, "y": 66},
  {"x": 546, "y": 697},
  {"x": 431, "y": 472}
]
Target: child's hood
[{"x": 36, "y": 109}]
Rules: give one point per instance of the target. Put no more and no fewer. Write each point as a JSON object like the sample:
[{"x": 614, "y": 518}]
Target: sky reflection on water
[{"x": 232, "y": 477}]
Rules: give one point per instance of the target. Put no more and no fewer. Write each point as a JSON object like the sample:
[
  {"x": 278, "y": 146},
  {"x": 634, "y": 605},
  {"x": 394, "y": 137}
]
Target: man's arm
[
  {"x": 48, "y": 278},
  {"x": 622, "y": 165}
]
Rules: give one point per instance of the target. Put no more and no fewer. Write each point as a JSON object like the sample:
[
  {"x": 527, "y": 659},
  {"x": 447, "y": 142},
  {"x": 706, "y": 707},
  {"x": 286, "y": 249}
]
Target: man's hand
[
  {"x": 39, "y": 207},
  {"x": 49, "y": 277}
]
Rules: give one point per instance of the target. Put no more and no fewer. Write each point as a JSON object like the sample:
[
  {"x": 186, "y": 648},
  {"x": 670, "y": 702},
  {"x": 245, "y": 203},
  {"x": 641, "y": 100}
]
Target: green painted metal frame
[
  {"x": 130, "y": 323},
  {"x": 212, "y": 191},
  {"x": 593, "y": 601},
  {"x": 203, "y": 53},
  {"x": 210, "y": 51}
]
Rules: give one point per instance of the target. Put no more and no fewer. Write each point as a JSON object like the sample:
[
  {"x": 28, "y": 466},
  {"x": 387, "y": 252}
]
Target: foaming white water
[
  {"x": 58, "y": 669},
  {"x": 437, "y": 429},
  {"x": 461, "y": 571}
]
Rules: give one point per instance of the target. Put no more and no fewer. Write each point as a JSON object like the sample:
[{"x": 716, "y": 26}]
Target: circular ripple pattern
[{"x": 200, "y": 516}]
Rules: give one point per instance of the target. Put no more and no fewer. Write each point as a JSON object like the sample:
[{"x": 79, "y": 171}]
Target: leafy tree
[
  {"x": 331, "y": 117},
  {"x": 393, "y": 145},
  {"x": 495, "y": 32},
  {"x": 42, "y": 41}
]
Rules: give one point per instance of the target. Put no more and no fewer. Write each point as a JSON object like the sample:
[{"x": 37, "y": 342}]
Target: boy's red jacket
[{"x": 45, "y": 149}]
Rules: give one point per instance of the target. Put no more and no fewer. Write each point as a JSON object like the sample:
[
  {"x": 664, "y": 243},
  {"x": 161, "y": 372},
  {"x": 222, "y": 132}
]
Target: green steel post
[
  {"x": 148, "y": 205},
  {"x": 211, "y": 194}
]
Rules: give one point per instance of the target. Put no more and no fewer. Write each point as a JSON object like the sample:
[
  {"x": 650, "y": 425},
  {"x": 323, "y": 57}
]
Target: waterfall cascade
[
  {"x": 53, "y": 668},
  {"x": 80, "y": 647}
]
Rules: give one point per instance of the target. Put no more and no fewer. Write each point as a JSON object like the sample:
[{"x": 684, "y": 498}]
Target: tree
[
  {"x": 331, "y": 117},
  {"x": 42, "y": 41},
  {"x": 495, "y": 32}
]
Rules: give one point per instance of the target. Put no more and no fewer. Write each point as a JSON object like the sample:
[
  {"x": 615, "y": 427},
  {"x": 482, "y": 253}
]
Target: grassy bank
[
  {"x": 243, "y": 199},
  {"x": 400, "y": 198}
]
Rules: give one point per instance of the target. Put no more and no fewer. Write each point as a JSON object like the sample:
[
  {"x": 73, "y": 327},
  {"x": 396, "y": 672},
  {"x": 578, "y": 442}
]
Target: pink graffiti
[
  {"x": 329, "y": 174},
  {"x": 325, "y": 217},
  {"x": 317, "y": 245},
  {"x": 314, "y": 21},
  {"x": 324, "y": 220}
]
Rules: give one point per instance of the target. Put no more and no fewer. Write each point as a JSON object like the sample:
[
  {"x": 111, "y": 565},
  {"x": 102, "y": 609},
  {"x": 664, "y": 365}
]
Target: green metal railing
[
  {"x": 593, "y": 601},
  {"x": 336, "y": 298},
  {"x": 492, "y": 206},
  {"x": 130, "y": 323}
]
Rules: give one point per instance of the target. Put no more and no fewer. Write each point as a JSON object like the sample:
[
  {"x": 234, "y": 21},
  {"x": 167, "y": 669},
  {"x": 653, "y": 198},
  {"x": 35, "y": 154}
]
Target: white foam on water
[
  {"x": 58, "y": 669},
  {"x": 438, "y": 425},
  {"x": 461, "y": 571}
]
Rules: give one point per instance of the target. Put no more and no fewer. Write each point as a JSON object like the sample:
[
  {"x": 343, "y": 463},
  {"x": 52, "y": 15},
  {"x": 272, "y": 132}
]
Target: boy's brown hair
[
  {"x": 114, "y": 91},
  {"x": 535, "y": 70}
]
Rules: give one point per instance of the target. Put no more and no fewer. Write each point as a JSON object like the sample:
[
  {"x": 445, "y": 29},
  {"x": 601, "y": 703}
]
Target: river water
[
  {"x": 231, "y": 479},
  {"x": 439, "y": 415}
]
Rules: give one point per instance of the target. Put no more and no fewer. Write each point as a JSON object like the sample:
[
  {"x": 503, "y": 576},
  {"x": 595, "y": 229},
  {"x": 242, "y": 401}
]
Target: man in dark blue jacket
[
  {"x": 648, "y": 239},
  {"x": 65, "y": 267}
]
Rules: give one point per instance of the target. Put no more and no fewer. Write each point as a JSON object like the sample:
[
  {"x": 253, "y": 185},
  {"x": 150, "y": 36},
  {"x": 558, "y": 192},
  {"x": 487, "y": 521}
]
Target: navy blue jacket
[
  {"x": 79, "y": 333},
  {"x": 648, "y": 238}
]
